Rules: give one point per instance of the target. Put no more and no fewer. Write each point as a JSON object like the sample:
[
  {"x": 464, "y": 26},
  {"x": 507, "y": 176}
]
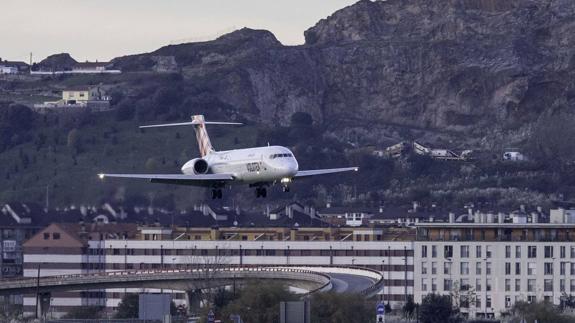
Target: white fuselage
[{"x": 251, "y": 165}]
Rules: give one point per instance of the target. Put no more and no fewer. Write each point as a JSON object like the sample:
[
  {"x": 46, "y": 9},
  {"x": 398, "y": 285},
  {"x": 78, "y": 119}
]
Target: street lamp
[{"x": 384, "y": 282}]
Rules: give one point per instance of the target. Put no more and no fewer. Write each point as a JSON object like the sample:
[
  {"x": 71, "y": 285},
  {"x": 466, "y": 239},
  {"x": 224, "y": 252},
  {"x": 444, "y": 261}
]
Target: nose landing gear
[
  {"x": 261, "y": 192},
  {"x": 285, "y": 189},
  {"x": 217, "y": 193}
]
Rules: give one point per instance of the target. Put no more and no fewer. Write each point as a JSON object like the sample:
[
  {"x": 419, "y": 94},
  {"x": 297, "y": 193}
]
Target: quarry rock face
[{"x": 464, "y": 66}]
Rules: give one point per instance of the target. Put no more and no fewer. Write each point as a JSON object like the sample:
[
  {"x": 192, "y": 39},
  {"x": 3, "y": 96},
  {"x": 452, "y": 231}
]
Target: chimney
[
  {"x": 534, "y": 217},
  {"x": 522, "y": 208},
  {"x": 501, "y": 217},
  {"x": 451, "y": 217}
]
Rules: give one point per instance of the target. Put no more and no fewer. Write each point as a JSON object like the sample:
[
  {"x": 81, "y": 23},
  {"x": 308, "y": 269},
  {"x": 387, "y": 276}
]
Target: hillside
[{"x": 458, "y": 74}]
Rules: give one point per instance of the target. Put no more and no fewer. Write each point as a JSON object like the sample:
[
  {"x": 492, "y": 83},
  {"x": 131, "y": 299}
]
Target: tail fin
[{"x": 201, "y": 133}]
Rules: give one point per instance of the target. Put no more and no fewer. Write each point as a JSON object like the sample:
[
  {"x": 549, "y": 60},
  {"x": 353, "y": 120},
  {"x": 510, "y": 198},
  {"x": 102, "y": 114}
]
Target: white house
[{"x": 8, "y": 69}]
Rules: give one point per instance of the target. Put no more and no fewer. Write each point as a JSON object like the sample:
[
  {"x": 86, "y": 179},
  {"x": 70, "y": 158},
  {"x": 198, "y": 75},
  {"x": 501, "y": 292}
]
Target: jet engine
[{"x": 200, "y": 166}]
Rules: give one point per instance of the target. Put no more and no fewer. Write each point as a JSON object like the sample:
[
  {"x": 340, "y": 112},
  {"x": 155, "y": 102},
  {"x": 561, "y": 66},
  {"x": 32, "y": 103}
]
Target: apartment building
[
  {"x": 76, "y": 249},
  {"x": 492, "y": 261}
]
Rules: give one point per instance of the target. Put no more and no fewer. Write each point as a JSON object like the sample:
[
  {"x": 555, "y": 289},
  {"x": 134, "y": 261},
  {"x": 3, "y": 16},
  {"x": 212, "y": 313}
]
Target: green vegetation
[
  {"x": 437, "y": 309},
  {"x": 85, "y": 312},
  {"x": 542, "y": 312},
  {"x": 60, "y": 154}
]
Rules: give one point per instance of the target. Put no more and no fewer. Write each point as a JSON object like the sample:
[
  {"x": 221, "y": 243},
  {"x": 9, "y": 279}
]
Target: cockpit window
[{"x": 280, "y": 156}]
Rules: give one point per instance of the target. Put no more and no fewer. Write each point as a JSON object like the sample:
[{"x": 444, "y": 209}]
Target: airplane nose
[{"x": 291, "y": 167}]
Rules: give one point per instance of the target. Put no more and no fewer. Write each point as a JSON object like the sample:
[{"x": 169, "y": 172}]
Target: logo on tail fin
[{"x": 202, "y": 135}]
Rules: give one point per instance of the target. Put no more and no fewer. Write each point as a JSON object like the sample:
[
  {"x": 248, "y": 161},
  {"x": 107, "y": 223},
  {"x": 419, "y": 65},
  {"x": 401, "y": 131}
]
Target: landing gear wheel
[
  {"x": 261, "y": 192},
  {"x": 285, "y": 189},
  {"x": 217, "y": 194}
]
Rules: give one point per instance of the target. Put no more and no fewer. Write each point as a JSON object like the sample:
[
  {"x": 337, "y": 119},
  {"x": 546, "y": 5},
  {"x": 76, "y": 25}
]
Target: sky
[{"x": 104, "y": 29}]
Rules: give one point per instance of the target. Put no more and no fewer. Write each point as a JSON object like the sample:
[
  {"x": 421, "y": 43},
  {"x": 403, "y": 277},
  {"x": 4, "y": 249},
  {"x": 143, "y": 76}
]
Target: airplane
[{"x": 257, "y": 167}]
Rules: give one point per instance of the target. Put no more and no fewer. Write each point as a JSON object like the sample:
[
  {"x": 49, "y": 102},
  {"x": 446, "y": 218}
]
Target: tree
[
  {"x": 340, "y": 308},
  {"x": 547, "y": 142},
  {"x": 84, "y": 312},
  {"x": 409, "y": 308},
  {"x": 73, "y": 140},
  {"x": 128, "y": 307},
  {"x": 437, "y": 309},
  {"x": 259, "y": 302},
  {"x": 543, "y": 312}
]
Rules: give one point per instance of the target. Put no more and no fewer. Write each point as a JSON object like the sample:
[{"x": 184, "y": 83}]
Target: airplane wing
[
  {"x": 179, "y": 179},
  {"x": 306, "y": 173}
]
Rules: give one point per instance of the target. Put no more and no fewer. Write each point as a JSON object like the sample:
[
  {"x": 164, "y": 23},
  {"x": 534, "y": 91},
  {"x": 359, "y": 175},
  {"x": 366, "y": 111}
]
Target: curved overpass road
[{"x": 347, "y": 283}]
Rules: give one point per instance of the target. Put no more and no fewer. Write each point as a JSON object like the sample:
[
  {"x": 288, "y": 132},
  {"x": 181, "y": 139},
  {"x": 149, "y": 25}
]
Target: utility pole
[
  {"x": 37, "y": 290},
  {"x": 47, "y": 196}
]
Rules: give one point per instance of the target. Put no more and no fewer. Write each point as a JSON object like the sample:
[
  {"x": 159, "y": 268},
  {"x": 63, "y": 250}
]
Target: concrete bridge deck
[{"x": 314, "y": 279}]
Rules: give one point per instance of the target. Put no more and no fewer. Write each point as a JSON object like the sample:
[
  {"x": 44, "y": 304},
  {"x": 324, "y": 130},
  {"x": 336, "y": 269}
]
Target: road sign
[{"x": 380, "y": 309}]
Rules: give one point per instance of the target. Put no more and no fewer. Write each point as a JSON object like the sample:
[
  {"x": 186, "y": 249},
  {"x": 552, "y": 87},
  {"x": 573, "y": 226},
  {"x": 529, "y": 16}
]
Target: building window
[
  {"x": 548, "y": 268},
  {"x": 562, "y": 285},
  {"x": 548, "y": 285},
  {"x": 424, "y": 284},
  {"x": 434, "y": 268},
  {"x": 488, "y": 301},
  {"x": 508, "y": 285},
  {"x": 478, "y": 251},
  {"x": 517, "y": 251},
  {"x": 531, "y": 269},
  {"x": 488, "y": 251},
  {"x": 56, "y": 235},
  {"x": 464, "y": 251},
  {"x": 572, "y": 272},
  {"x": 548, "y": 251},
  {"x": 507, "y": 301},
  {"x": 423, "y": 251},
  {"x": 46, "y": 235},
  {"x": 573, "y": 252},
  {"x": 562, "y": 252},
  {"x": 507, "y": 268},
  {"x": 517, "y": 268},
  {"x": 447, "y": 268},
  {"x": 507, "y": 251},
  {"x": 488, "y": 268},
  {"x": 562, "y": 267},
  {"x": 478, "y": 268},
  {"x": 423, "y": 268},
  {"x": 448, "y": 251},
  {"x": 433, "y": 251},
  {"x": 532, "y": 252},
  {"x": 488, "y": 284},
  {"x": 464, "y": 284},
  {"x": 517, "y": 285},
  {"x": 530, "y": 285},
  {"x": 478, "y": 302},
  {"x": 433, "y": 284},
  {"x": 572, "y": 286},
  {"x": 464, "y": 268},
  {"x": 447, "y": 285},
  {"x": 478, "y": 284},
  {"x": 531, "y": 299}
]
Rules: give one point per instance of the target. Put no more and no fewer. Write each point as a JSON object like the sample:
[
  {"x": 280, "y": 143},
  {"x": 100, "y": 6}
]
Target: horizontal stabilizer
[{"x": 191, "y": 123}]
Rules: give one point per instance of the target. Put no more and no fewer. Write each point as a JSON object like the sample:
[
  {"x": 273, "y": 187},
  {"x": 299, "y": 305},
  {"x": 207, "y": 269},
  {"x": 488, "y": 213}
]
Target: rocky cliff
[{"x": 462, "y": 66}]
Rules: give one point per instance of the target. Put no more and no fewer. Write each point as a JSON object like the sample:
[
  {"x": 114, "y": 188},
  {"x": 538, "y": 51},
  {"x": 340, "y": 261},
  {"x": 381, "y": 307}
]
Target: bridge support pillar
[
  {"x": 43, "y": 304},
  {"x": 193, "y": 300}
]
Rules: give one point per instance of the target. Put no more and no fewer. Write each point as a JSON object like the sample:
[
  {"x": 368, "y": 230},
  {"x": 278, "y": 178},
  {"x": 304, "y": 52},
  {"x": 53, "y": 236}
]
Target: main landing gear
[
  {"x": 261, "y": 192},
  {"x": 217, "y": 193}
]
